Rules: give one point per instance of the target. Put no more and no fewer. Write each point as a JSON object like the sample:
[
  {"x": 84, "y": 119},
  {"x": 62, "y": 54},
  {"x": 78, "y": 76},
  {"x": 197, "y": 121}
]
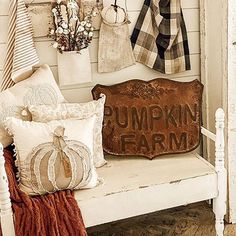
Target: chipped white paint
[
  {"x": 6, "y": 216},
  {"x": 218, "y": 63},
  {"x": 219, "y": 203},
  {"x": 218, "y": 68},
  {"x": 231, "y": 99},
  {"x": 147, "y": 186},
  {"x": 212, "y": 60},
  {"x": 209, "y": 134},
  {"x": 204, "y": 73},
  {"x": 144, "y": 200}
]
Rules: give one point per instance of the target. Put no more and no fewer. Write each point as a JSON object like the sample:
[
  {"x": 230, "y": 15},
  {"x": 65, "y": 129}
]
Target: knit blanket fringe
[{"x": 49, "y": 215}]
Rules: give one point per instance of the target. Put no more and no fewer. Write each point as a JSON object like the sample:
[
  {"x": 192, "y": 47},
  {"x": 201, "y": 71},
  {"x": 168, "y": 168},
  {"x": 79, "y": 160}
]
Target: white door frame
[
  {"x": 231, "y": 99},
  {"x": 218, "y": 73}
]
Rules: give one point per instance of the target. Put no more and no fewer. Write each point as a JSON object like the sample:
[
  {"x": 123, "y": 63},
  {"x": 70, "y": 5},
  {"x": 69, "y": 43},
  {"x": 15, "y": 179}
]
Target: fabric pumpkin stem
[{"x": 59, "y": 142}]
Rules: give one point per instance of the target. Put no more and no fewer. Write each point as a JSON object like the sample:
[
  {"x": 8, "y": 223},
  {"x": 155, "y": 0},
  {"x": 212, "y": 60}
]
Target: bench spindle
[
  {"x": 6, "y": 214},
  {"x": 219, "y": 203}
]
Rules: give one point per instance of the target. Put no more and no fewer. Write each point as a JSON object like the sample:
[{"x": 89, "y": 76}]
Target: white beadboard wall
[{"x": 82, "y": 93}]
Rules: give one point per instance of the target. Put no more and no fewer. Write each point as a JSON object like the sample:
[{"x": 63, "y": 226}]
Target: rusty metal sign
[{"x": 151, "y": 118}]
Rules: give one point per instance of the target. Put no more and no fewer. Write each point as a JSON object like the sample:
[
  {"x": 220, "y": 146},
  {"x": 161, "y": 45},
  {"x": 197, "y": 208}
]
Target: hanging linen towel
[
  {"x": 160, "y": 38},
  {"x": 115, "y": 50},
  {"x": 21, "y": 54}
]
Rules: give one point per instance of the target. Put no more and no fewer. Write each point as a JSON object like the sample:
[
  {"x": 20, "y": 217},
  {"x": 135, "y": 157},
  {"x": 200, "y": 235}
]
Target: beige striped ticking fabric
[{"x": 21, "y": 54}]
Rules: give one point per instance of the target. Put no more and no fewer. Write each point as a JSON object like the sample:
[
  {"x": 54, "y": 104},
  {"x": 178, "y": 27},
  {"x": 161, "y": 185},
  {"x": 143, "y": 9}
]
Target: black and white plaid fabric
[{"x": 160, "y": 38}]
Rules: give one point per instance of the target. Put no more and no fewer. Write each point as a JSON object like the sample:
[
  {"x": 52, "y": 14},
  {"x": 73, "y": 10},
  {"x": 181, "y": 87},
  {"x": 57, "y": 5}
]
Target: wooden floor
[{"x": 193, "y": 220}]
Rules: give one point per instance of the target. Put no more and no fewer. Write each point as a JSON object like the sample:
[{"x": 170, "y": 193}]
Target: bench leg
[
  {"x": 219, "y": 208},
  {"x": 219, "y": 203}
]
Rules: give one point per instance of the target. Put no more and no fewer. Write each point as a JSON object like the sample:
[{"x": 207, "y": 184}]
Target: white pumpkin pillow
[
  {"x": 54, "y": 156},
  {"x": 39, "y": 88},
  {"x": 45, "y": 113}
]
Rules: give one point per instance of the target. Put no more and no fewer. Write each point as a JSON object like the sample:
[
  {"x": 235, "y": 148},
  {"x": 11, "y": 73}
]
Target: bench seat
[{"x": 135, "y": 186}]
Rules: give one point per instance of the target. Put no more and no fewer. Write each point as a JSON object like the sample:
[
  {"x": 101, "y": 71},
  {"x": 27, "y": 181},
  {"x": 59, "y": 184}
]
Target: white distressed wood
[
  {"x": 140, "y": 71},
  {"x": 231, "y": 106},
  {"x": 131, "y": 5},
  {"x": 136, "y": 71},
  {"x": 2, "y": 53},
  {"x": 137, "y": 4},
  {"x": 191, "y": 15},
  {"x": 220, "y": 67},
  {"x": 6, "y": 215},
  {"x": 134, "y": 197},
  {"x": 4, "y": 6},
  {"x": 138, "y": 172},
  {"x": 145, "y": 186},
  {"x": 208, "y": 134},
  {"x": 219, "y": 203},
  {"x": 191, "y": 19},
  {"x": 47, "y": 53},
  {"x": 143, "y": 72},
  {"x": 138, "y": 186},
  {"x": 213, "y": 50},
  {"x": 141, "y": 201},
  {"x": 204, "y": 73},
  {"x": 4, "y": 28},
  {"x": 0, "y": 75},
  {"x": 83, "y": 93}
]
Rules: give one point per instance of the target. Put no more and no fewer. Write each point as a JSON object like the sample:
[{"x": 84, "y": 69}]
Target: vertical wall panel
[{"x": 231, "y": 111}]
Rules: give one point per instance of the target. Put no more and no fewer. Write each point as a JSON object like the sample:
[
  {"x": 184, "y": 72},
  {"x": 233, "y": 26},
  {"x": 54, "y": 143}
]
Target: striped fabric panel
[
  {"x": 6, "y": 80},
  {"x": 21, "y": 54}
]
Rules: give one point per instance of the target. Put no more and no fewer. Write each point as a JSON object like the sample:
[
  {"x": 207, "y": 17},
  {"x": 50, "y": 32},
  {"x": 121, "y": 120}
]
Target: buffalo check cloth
[{"x": 160, "y": 39}]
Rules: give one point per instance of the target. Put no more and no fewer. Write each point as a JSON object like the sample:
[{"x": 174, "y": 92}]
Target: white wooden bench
[{"x": 136, "y": 186}]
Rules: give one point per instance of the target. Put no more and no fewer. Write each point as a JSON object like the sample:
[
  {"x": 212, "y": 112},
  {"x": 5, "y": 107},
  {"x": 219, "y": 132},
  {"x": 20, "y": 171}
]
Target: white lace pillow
[
  {"x": 38, "y": 89},
  {"x": 54, "y": 156},
  {"x": 46, "y": 113}
]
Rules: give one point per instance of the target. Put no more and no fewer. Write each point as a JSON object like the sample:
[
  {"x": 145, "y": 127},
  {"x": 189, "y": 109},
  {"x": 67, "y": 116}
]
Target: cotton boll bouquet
[{"x": 73, "y": 30}]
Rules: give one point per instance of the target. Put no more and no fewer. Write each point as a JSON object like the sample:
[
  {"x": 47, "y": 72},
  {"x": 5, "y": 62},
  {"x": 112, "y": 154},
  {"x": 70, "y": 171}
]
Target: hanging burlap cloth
[{"x": 115, "y": 50}]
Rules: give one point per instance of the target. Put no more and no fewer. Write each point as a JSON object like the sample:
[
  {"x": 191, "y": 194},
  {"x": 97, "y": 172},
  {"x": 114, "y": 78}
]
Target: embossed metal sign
[{"x": 151, "y": 118}]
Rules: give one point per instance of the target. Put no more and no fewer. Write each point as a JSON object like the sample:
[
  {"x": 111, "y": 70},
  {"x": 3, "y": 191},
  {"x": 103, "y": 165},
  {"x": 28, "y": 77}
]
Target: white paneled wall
[{"x": 82, "y": 92}]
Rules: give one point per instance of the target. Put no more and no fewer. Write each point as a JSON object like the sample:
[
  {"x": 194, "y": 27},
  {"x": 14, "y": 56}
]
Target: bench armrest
[
  {"x": 218, "y": 138},
  {"x": 208, "y": 134},
  {"x": 219, "y": 117}
]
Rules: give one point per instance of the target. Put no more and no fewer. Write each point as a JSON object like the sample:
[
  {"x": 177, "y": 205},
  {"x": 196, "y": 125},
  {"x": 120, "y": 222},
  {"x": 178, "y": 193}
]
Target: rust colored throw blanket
[{"x": 49, "y": 215}]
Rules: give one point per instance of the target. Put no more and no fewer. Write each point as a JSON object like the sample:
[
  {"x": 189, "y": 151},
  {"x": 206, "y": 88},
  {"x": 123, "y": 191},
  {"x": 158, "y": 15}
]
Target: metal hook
[
  {"x": 31, "y": 2},
  {"x": 27, "y": 5},
  {"x": 115, "y": 5}
]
